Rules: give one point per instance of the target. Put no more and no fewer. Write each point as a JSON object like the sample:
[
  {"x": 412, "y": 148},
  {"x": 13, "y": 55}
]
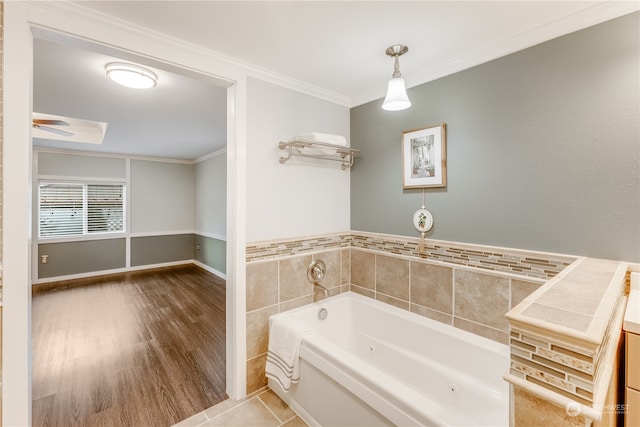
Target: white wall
[
  {"x": 211, "y": 196},
  {"x": 162, "y": 197},
  {"x": 302, "y": 197}
]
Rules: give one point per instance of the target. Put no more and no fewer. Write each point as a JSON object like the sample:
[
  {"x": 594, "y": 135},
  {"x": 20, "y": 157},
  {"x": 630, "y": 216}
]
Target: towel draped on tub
[{"x": 285, "y": 336}]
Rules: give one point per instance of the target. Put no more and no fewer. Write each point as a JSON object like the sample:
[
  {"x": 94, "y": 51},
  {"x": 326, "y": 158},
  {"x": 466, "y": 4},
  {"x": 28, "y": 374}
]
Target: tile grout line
[
  {"x": 225, "y": 411},
  {"x": 270, "y": 411}
]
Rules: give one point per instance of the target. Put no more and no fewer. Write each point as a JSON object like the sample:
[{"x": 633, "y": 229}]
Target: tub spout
[{"x": 324, "y": 290}]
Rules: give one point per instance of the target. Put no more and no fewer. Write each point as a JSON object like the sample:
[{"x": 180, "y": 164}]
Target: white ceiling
[
  {"x": 332, "y": 47},
  {"x": 181, "y": 118}
]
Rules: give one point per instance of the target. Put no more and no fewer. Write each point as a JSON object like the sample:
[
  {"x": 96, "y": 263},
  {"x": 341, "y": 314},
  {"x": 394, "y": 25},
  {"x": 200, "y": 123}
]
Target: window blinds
[{"x": 74, "y": 209}]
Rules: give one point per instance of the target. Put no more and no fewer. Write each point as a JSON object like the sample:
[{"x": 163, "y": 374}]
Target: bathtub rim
[
  {"x": 477, "y": 340},
  {"x": 408, "y": 411}
]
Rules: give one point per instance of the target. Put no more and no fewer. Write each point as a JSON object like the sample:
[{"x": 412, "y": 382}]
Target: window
[{"x": 74, "y": 209}]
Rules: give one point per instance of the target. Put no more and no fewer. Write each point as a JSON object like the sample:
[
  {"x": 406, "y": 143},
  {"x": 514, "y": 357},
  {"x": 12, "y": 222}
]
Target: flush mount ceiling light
[
  {"x": 396, "y": 98},
  {"x": 131, "y": 75}
]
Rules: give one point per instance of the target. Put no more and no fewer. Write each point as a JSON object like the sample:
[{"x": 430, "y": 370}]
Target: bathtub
[{"x": 372, "y": 364}]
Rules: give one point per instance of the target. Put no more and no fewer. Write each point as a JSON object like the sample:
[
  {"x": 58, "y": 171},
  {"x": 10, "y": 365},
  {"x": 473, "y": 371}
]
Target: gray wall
[
  {"x": 163, "y": 202},
  {"x": 81, "y": 257},
  {"x": 151, "y": 250},
  {"x": 211, "y": 252},
  {"x": 543, "y": 150}
]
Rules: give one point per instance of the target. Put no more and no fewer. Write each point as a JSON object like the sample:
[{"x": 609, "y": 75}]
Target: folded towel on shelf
[
  {"x": 318, "y": 150},
  {"x": 325, "y": 138},
  {"x": 285, "y": 336}
]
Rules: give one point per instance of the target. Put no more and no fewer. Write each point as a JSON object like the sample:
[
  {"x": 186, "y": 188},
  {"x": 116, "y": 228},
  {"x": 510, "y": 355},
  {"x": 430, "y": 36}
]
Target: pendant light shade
[{"x": 396, "y": 98}]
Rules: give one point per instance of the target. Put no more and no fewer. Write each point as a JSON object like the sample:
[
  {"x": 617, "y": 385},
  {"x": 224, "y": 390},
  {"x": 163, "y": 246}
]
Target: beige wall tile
[
  {"x": 295, "y": 303},
  {"x": 332, "y": 276},
  {"x": 482, "y": 298},
  {"x": 432, "y": 286},
  {"x": 392, "y": 276},
  {"x": 362, "y": 291},
  {"x": 531, "y": 411},
  {"x": 258, "y": 330},
  {"x": 392, "y": 301},
  {"x": 363, "y": 269},
  {"x": 520, "y": 289},
  {"x": 293, "y": 277},
  {"x": 484, "y": 331},
  {"x": 256, "y": 378},
  {"x": 345, "y": 267},
  {"x": 432, "y": 314},
  {"x": 262, "y": 285}
]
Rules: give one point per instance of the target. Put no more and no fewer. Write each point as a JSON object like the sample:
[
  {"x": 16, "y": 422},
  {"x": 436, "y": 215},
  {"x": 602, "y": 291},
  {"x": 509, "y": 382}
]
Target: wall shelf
[{"x": 318, "y": 150}]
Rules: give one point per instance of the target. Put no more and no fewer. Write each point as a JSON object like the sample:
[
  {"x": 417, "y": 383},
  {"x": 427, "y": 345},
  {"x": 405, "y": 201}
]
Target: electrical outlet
[
  {"x": 198, "y": 247},
  {"x": 44, "y": 259}
]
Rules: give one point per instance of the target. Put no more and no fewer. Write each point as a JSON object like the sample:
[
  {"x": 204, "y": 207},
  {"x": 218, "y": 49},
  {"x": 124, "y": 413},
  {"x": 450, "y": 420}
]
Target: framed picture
[{"x": 424, "y": 157}]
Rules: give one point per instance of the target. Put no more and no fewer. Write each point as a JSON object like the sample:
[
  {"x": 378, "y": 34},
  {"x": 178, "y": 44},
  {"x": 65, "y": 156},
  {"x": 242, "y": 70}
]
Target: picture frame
[{"x": 424, "y": 157}]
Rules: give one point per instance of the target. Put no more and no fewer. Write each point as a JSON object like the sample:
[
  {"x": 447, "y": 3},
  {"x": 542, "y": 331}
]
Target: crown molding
[
  {"x": 80, "y": 12},
  {"x": 211, "y": 155},
  {"x": 597, "y": 14},
  {"x": 600, "y": 12}
]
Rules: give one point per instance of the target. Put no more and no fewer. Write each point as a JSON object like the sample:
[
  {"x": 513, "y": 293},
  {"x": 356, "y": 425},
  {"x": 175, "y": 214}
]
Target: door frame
[{"x": 20, "y": 21}]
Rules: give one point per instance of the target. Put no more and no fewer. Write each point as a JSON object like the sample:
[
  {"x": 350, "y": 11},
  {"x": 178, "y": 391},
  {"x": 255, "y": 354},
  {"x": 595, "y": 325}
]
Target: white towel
[
  {"x": 326, "y": 138},
  {"x": 285, "y": 336}
]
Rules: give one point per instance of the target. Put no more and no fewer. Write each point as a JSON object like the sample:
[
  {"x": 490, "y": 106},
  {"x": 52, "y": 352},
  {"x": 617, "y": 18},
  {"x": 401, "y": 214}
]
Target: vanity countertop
[{"x": 632, "y": 313}]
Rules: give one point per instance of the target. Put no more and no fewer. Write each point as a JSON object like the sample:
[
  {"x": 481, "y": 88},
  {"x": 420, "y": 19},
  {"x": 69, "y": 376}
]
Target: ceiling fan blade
[
  {"x": 50, "y": 122},
  {"x": 54, "y": 130}
]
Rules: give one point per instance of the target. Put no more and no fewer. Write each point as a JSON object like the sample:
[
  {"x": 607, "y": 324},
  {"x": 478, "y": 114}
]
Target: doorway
[
  {"x": 164, "y": 151},
  {"x": 21, "y": 22}
]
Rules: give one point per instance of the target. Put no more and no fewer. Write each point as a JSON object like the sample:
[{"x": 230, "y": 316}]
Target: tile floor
[{"x": 261, "y": 409}]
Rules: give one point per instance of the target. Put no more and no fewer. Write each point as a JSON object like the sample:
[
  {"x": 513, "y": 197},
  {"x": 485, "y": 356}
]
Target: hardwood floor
[{"x": 136, "y": 349}]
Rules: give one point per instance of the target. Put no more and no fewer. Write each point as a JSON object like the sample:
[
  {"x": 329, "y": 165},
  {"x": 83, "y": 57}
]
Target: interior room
[
  {"x": 148, "y": 194},
  {"x": 462, "y": 251}
]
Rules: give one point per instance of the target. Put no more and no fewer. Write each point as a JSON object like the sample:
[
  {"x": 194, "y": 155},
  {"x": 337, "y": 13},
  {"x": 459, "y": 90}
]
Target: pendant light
[{"x": 396, "y": 98}]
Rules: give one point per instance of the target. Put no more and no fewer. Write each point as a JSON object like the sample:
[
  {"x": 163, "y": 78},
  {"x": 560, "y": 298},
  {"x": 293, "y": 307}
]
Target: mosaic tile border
[
  {"x": 530, "y": 264},
  {"x": 283, "y": 248},
  {"x": 560, "y": 368}
]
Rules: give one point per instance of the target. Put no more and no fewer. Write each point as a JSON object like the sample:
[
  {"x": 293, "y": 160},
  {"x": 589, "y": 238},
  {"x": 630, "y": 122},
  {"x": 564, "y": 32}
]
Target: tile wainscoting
[{"x": 468, "y": 286}]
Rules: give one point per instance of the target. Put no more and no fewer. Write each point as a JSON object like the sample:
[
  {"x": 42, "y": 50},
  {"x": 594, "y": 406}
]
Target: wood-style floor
[{"x": 137, "y": 349}]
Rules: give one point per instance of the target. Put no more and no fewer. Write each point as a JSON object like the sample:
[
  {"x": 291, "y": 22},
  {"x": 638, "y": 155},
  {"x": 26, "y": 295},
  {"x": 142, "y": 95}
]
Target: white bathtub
[{"x": 374, "y": 364}]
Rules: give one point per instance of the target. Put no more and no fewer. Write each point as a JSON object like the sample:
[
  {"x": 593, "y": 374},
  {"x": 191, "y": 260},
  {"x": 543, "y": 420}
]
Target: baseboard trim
[{"x": 80, "y": 279}]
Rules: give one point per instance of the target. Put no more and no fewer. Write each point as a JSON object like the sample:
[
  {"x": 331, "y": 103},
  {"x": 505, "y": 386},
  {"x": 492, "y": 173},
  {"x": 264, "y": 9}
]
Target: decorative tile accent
[
  {"x": 388, "y": 268},
  {"x": 522, "y": 263},
  {"x": 285, "y": 248},
  {"x": 551, "y": 365}
]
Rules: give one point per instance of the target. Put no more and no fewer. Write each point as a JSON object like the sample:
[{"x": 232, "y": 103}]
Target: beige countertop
[
  {"x": 569, "y": 327},
  {"x": 577, "y": 304}
]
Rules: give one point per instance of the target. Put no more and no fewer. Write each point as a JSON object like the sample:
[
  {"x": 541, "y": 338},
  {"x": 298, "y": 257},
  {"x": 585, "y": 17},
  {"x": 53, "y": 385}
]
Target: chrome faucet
[
  {"x": 324, "y": 290},
  {"x": 315, "y": 274}
]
